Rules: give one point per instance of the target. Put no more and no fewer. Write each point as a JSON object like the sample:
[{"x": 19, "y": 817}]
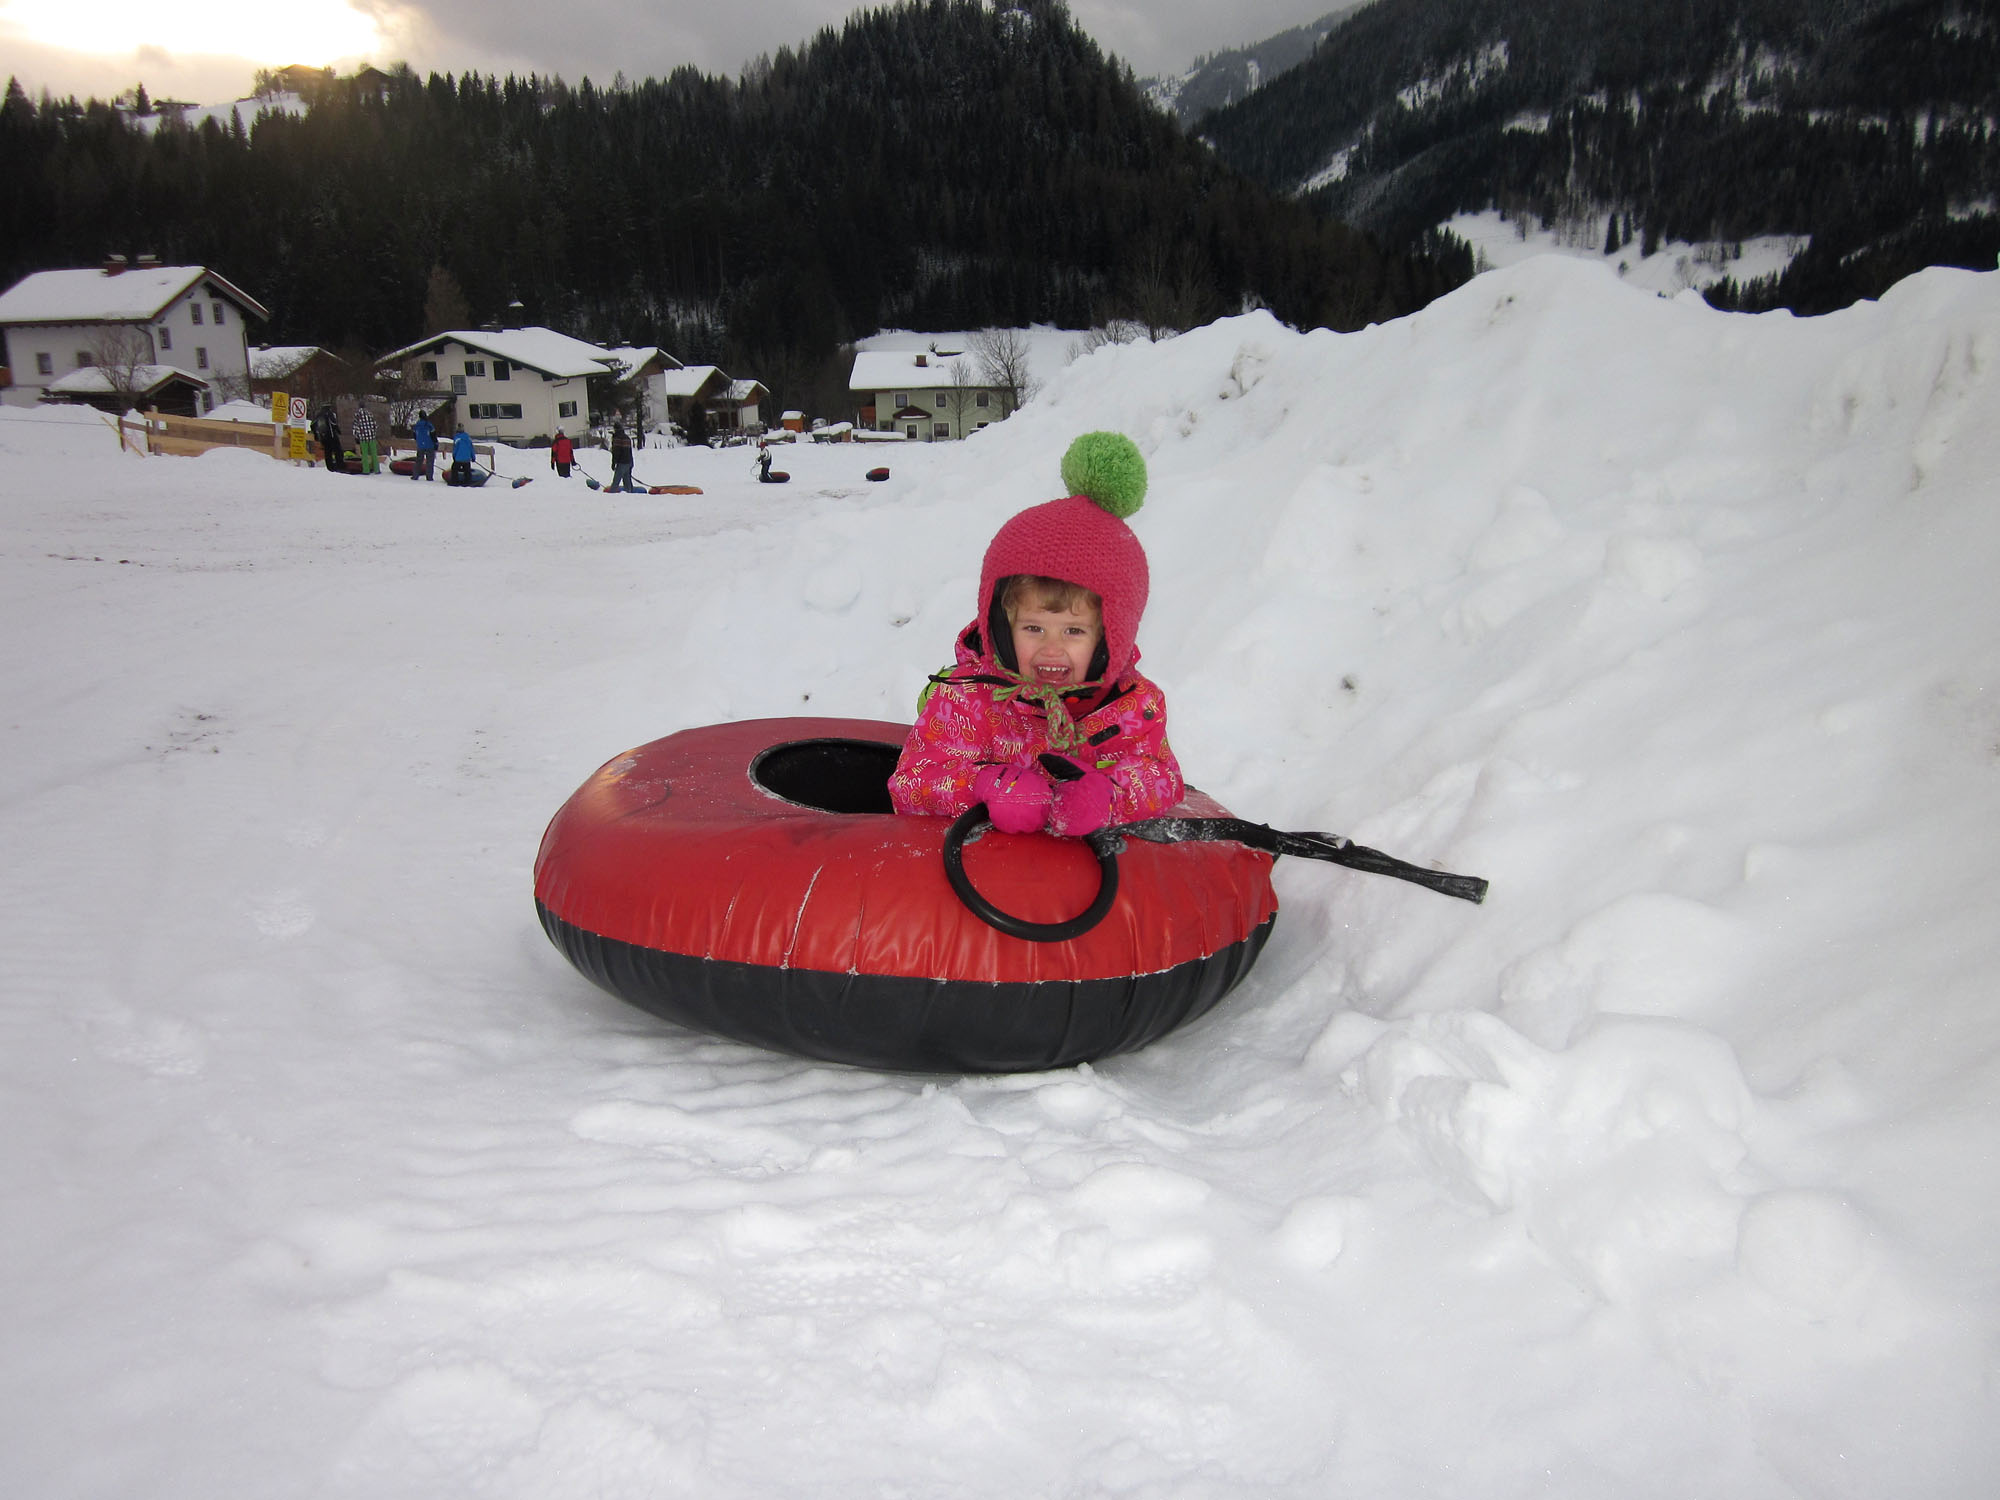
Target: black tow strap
[{"x": 1330, "y": 847}]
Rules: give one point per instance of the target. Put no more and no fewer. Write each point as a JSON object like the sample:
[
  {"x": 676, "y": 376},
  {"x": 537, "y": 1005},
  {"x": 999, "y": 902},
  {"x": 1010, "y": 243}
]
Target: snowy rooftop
[
  {"x": 94, "y": 380},
  {"x": 888, "y": 361},
  {"x": 540, "y": 349},
  {"x": 100, "y": 296},
  {"x": 276, "y": 361},
  {"x": 638, "y": 356},
  {"x": 690, "y": 380},
  {"x": 745, "y": 390}
]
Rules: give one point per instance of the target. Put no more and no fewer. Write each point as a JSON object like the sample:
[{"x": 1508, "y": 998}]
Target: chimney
[
  {"x": 923, "y": 361},
  {"x": 113, "y": 264},
  {"x": 148, "y": 260}
]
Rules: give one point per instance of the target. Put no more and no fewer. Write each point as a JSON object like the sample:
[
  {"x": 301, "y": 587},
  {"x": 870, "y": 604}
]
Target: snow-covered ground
[
  {"x": 1675, "y": 266},
  {"x": 1667, "y": 1172}
]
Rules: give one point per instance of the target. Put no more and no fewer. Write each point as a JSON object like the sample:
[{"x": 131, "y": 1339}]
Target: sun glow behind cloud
[{"x": 263, "y": 34}]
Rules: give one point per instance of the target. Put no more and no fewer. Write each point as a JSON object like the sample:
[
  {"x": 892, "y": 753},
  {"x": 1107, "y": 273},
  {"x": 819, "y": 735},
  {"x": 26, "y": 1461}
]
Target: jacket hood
[{"x": 1077, "y": 540}]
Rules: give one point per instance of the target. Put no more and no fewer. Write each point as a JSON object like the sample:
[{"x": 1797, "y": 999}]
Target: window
[
  {"x": 475, "y": 367},
  {"x": 902, "y": 399},
  {"x": 429, "y": 372},
  {"x": 45, "y": 364},
  {"x": 201, "y": 359},
  {"x": 511, "y": 410},
  {"x": 940, "y": 430},
  {"x": 500, "y": 370},
  {"x": 166, "y": 337},
  {"x": 194, "y": 308},
  {"x": 910, "y": 430},
  {"x": 940, "y": 400},
  {"x": 83, "y": 359},
  {"x": 492, "y": 411},
  {"x": 980, "y": 399},
  {"x": 458, "y": 385},
  {"x": 217, "y": 307},
  {"x": 565, "y": 408}
]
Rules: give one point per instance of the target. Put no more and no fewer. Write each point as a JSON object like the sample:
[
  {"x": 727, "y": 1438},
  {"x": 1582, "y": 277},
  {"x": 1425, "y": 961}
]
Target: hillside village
[{"x": 176, "y": 340}]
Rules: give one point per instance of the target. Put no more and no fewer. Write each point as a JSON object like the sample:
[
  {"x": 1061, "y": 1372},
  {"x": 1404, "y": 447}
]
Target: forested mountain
[
  {"x": 944, "y": 164},
  {"x": 1871, "y": 125},
  {"x": 1221, "y": 78}
]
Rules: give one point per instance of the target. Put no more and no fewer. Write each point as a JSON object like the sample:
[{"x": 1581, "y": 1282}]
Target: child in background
[{"x": 1045, "y": 717}]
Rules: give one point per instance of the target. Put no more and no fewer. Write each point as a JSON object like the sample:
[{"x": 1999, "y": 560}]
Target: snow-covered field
[
  {"x": 1668, "y": 1172},
  {"x": 1675, "y": 266}
]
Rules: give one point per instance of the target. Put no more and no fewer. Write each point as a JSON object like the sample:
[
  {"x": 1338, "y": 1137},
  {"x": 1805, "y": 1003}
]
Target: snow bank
[{"x": 1665, "y": 1172}]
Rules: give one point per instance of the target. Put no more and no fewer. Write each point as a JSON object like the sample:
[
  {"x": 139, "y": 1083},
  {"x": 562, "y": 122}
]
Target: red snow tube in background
[{"x": 751, "y": 880}]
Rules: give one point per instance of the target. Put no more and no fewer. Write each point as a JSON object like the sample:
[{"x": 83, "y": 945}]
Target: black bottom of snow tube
[{"x": 916, "y": 1025}]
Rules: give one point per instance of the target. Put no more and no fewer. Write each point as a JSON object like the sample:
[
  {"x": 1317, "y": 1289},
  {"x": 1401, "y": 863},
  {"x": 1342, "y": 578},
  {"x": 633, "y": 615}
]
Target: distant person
[
  {"x": 621, "y": 462},
  {"x": 562, "y": 453},
  {"x": 326, "y": 431},
  {"x": 427, "y": 449},
  {"x": 365, "y": 433},
  {"x": 461, "y": 458}
]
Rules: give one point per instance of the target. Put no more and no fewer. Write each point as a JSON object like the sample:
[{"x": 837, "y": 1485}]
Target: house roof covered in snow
[
  {"x": 637, "y": 358},
  {"x": 887, "y": 361},
  {"x": 276, "y": 361},
  {"x": 540, "y": 349},
  {"x": 746, "y": 391},
  {"x": 94, "y": 380},
  {"x": 899, "y": 370},
  {"x": 694, "y": 381},
  {"x": 132, "y": 294}
]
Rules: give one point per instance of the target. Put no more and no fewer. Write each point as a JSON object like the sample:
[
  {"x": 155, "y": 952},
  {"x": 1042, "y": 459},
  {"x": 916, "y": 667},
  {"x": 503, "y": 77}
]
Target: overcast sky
[{"x": 206, "y": 50}]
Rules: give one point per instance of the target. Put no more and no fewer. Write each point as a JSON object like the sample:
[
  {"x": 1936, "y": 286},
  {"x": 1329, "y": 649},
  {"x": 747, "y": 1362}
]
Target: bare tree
[
  {"x": 962, "y": 394},
  {"x": 1003, "y": 360},
  {"x": 124, "y": 355},
  {"x": 1168, "y": 289}
]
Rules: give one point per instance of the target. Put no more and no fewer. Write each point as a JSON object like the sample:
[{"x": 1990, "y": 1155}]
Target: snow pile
[{"x": 1665, "y": 1172}]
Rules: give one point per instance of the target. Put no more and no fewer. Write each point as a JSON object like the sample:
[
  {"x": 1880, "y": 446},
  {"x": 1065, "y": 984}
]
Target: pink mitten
[
  {"x": 1083, "y": 805},
  {"x": 1016, "y": 797}
]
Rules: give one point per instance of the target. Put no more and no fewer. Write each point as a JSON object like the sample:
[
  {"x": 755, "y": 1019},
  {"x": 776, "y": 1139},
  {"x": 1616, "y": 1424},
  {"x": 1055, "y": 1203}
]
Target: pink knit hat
[{"x": 1080, "y": 539}]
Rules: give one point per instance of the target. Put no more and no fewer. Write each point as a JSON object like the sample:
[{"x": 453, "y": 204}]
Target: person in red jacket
[
  {"x": 562, "y": 453},
  {"x": 1045, "y": 717}
]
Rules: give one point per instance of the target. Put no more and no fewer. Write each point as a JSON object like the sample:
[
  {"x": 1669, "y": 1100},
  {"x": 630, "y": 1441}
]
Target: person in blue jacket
[
  {"x": 461, "y": 458},
  {"x": 427, "y": 449}
]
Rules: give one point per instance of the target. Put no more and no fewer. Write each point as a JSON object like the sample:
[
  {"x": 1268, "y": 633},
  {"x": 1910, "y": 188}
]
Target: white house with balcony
[
  {"x": 511, "y": 385},
  {"x": 122, "y": 316}
]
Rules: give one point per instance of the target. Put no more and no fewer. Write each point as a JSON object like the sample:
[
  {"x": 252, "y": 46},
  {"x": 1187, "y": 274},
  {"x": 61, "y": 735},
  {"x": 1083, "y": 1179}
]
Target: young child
[{"x": 1049, "y": 668}]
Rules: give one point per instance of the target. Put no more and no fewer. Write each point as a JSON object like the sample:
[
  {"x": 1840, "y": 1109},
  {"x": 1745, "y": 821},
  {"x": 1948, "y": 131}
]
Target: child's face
[{"x": 1054, "y": 645}]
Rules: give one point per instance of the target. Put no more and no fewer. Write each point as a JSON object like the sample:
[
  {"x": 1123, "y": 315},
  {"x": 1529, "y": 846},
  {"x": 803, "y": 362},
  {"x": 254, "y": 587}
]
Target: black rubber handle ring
[{"x": 975, "y": 817}]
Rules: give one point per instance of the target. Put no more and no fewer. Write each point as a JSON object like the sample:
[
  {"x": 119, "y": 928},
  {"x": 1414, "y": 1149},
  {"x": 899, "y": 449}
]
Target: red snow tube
[{"x": 751, "y": 880}]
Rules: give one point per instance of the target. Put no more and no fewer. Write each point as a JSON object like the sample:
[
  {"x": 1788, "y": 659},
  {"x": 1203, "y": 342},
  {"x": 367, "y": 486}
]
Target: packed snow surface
[{"x": 1669, "y": 1171}]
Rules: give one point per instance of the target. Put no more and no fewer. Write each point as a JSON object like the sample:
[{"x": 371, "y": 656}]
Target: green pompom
[{"x": 1108, "y": 467}]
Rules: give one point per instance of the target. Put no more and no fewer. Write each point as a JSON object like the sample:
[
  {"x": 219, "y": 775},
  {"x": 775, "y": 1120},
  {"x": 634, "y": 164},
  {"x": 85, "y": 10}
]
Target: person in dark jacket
[
  {"x": 427, "y": 449},
  {"x": 621, "y": 462},
  {"x": 326, "y": 431},
  {"x": 562, "y": 453}
]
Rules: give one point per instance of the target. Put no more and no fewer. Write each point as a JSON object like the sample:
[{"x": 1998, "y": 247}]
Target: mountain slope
[
  {"x": 946, "y": 164},
  {"x": 1865, "y": 124},
  {"x": 1221, "y": 78}
]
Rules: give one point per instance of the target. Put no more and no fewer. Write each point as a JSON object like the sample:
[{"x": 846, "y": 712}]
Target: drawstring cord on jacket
[{"x": 1062, "y": 731}]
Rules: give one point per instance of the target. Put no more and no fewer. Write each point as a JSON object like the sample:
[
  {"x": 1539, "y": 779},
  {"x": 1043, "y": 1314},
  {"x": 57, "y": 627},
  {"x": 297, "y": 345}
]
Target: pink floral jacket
[{"x": 964, "y": 725}]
